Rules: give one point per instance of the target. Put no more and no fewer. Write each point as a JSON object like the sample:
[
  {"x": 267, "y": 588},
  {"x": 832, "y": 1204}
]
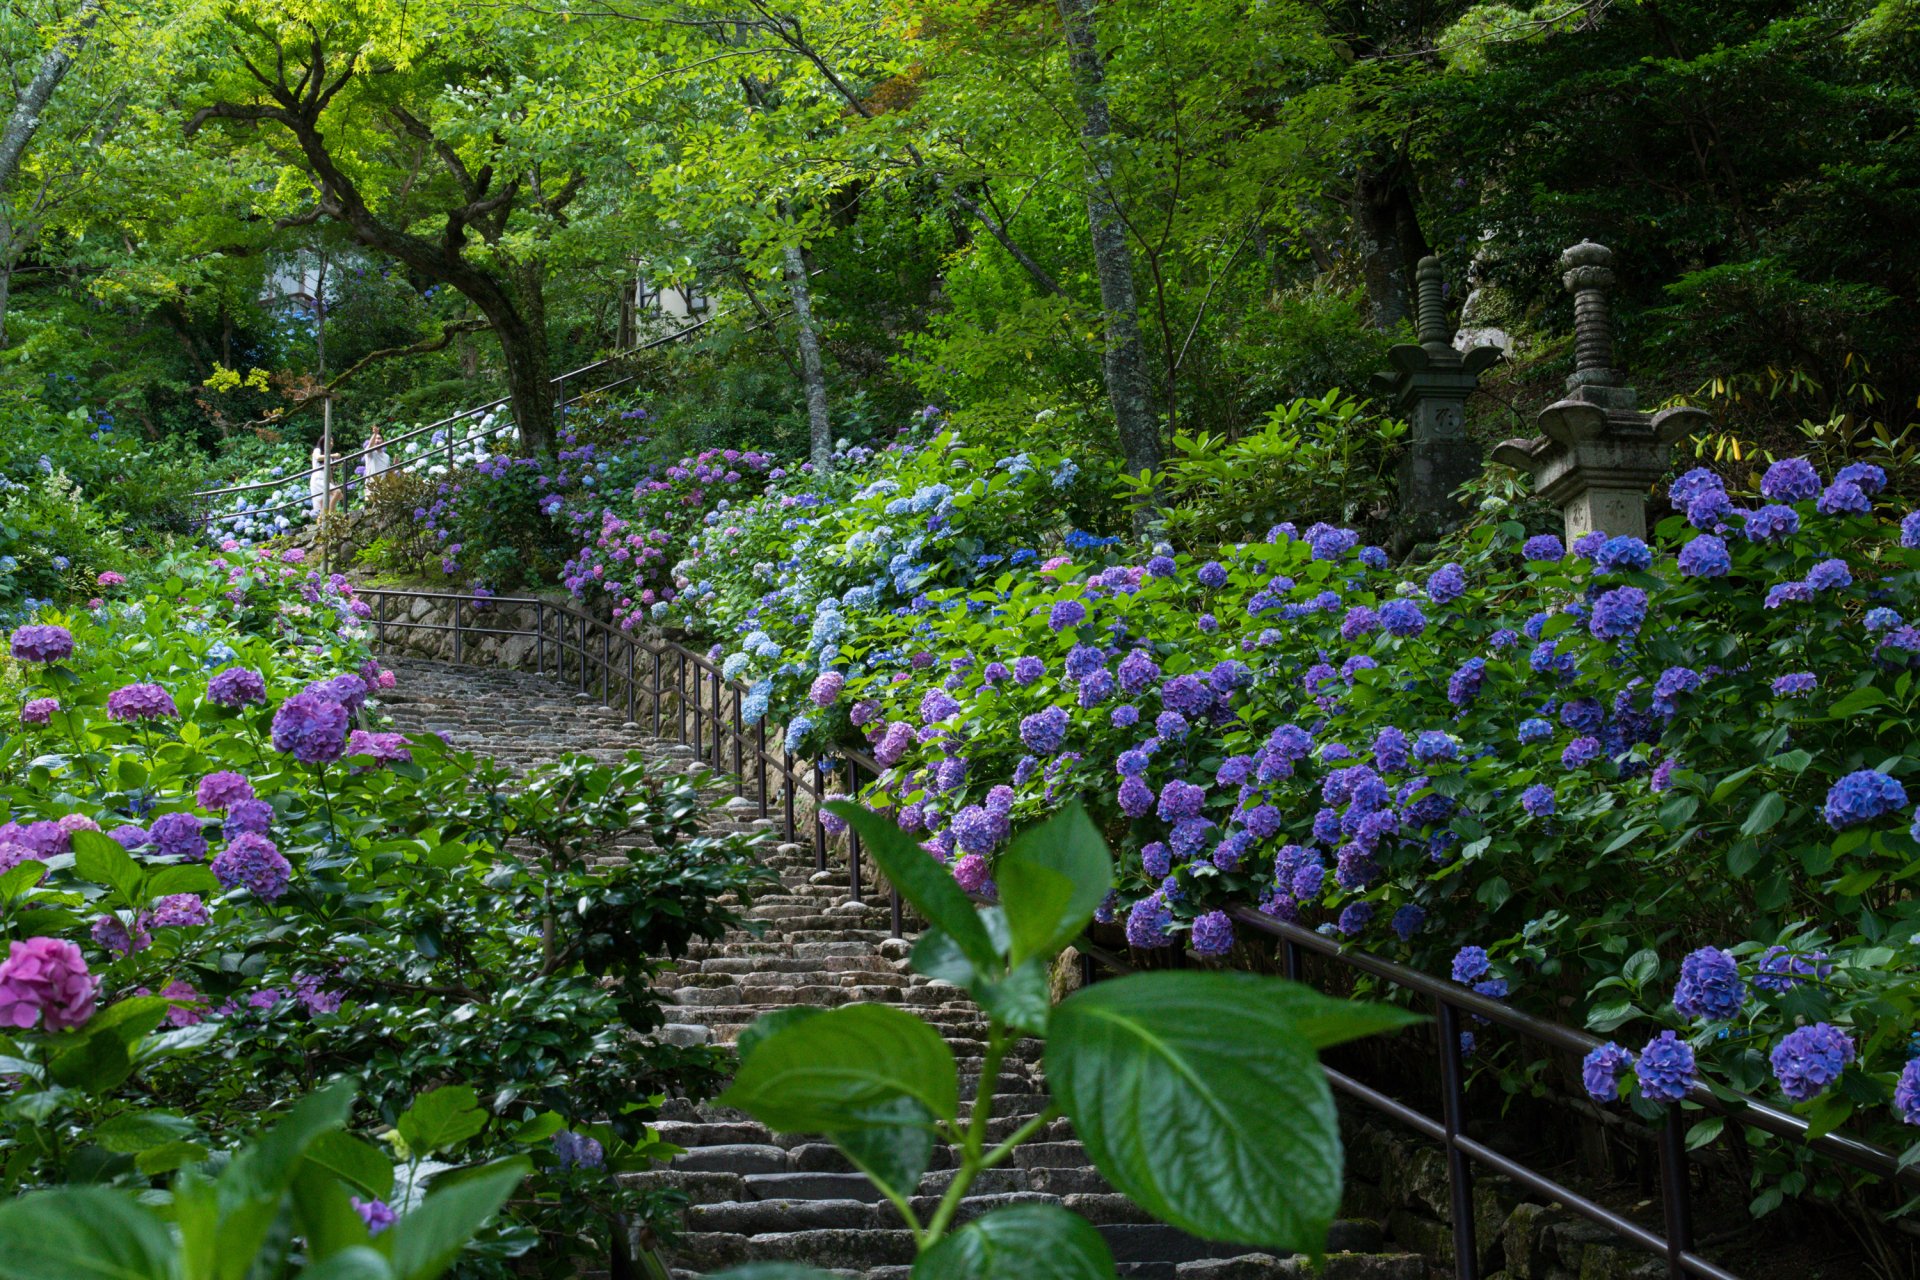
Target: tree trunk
[
  {"x": 520, "y": 323},
  {"x": 53, "y": 68},
  {"x": 1125, "y": 357},
  {"x": 7, "y": 258},
  {"x": 1387, "y": 231},
  {"x": 812, "y": 374}
]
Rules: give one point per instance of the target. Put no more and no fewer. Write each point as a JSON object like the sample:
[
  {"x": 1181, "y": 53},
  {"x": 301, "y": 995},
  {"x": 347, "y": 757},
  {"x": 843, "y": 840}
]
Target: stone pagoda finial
[
  {"x": 1600, "y": 454},
  {"x": 1429, "y": 386}
]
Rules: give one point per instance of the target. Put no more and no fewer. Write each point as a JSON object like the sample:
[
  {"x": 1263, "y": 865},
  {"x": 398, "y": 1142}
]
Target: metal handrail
[{"x": 672, "y": 671}]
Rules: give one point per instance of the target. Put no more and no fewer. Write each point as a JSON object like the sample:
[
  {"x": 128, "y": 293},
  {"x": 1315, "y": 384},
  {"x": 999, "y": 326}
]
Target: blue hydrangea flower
[
  {"x": 1538, "y": 800},
  {"x": 1373, "y": 557},
  {"x": 1863, "y": 796},
  {"x": 1354, "y": 917},
  {"x": 1794, "y": 684},
  {"x": 1710, "y": 986},
  {"x": 1808, "y": 1060},
  {"x": 1623, "y": 555},
  {"x": 1124, "y": 716},
  {"x": 1790, "y": 480},
  {"x": 1213, "y": 574},
  {"x": 1830, "y": 575},
  {"x": 1470, "y": 965},
  {"x": 1665, "y": 1069},
  {"x": 1882, "y": 619},
  {"x": 1691, "y": 485},
  {"x": 1156, "y": 860},
  {"x": 1600, "y": 1071},
  {"x": 1027, "y": 670},
  {"x": 1869, "y": 478},
  {"x": 1618, "y": 614},
  {"x": 1408, "y": 920},
  {"x": 1433, "y": 745}
]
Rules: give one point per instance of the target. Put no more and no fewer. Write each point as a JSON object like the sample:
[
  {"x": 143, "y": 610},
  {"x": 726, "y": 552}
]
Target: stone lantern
[
  {"x": 1429, "y": 386},
  {"x": 1600, "y": 453}
]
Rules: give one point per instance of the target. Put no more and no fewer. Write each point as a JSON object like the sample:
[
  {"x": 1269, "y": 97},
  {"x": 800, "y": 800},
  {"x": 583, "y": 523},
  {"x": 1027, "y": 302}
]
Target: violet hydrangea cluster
[{"x": 311, "y": 728}]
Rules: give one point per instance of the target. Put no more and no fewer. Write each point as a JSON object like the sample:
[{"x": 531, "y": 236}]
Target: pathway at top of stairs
[{"x": 762, "y": 1196}]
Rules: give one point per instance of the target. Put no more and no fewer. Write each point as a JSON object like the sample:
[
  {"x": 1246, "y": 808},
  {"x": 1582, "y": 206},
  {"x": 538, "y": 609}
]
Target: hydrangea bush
[
  {"x": 223, "y": 882},
  {"x": 817, "y": 564},
  {"x": 1663, "y": 786}
]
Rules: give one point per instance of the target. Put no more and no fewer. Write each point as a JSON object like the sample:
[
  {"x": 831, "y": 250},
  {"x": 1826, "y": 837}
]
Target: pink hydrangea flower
[{"x": 46, "y": 979}]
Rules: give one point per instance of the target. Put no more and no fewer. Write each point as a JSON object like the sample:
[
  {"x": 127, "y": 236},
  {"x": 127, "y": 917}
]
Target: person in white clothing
[
  {"x": 317, "y": 482},
  {"x": 375, "y": 462}
]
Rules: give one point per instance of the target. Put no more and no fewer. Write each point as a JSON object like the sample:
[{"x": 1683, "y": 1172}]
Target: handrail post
[
  {"x": 719, "y": 723},
  {"x": 1674, "y": 1191},
  {"x": 633, "y": 689},
  {"x": 819, "y": 811},
  {"x": 540, "y": 635},
  {"x": 457, "y": 602},
  {"x": 658, "y": 692},
  {"x": 606, "y": 667},
  {"x": 760, "y": 757},
  {"x": 1453, "y": 1107},
  {"x": 739, "y": 744}
]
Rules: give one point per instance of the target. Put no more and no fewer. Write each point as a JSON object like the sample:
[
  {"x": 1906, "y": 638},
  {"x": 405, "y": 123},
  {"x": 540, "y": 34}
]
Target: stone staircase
[{"x": 761, "y": 1196}]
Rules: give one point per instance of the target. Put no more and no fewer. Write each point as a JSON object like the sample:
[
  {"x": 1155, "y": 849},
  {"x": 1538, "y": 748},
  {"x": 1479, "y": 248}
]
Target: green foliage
[
  {"x": 1328, "y": 459},
  {"x": 251, "y": 1215}
]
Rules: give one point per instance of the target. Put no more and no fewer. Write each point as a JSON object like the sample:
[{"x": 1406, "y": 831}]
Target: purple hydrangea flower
[
  {"x": 1844, "y": 498},
  {"x": 1808, "y": 1060},
  {"x": 1543, "y": 546},
  {"x": 130, "y": 837},
  {"x": 253, "y": 861},
  {"x": 1433, "y": 745},
  {"x": 1601, "y": 1070},
  {"x": 1470, "y": 965},
  {"x": 1147, "y": 923},
  {"x": 1028, "y": 669},
  {"x": 1705, "y": 557},
  {"x": 41, "y": 643},
  {"x": 1906, "y": 1094},
  {"x": 1618, "y": 614},
  {"x": 377, "y": 1214},
  {"x": 1212, "y": 934},
  {"x": 1673, "y": 682},
  {"x": 1534, "y": 729},
  {"x": 1790, "y": 480},
  {"x": 1138, "y": 671},
  {"x": 311, "y": 729},
  {"x": 255, "y": 816},
  {"x": 826, "y": 687},
  {"x": 1044, "y": 731},
  {"x": 1066, "y": 613},
  {"x": 1213, "y": 574},
  {"x": 1171, "y": 725},
  {"x": 1354, "y": 917},
  {"x": 1463, "y": 686},
  {"x": 179, "y": 910},
  {"x": 1391, "y": 750},
  {"x": 39, "y": 710},
  {"x": 1587, "y": 546},
  {"x": 1181, "y": 800},
  {"x": 1709, "y": 986},
  {"x": 140, "y": 702},
  {"x": 46, "y": 978},
  {"x": 1135, "y": 797},
  {"x": 1446, "y": 584},
  {"x": 1665, "y": 1069},
  {"x": 1772, "y": 524},
  {"x": 937, "y": 705},
  {"x": 349, "y": 691},
  {"x": 1361, "y": 620},
  {"x": 179, "y": 835},
  {"x": 1869, "y": 478},
  {"x": 1709, "y": 510},
  {"x": 1794, "y": 684},
  {"x": 1581, "y": 752},
  {"x": 1910, "y": 530},
  {"x": 1538, "y": 800},
  {"x": 1402, "y": 618},
  {"x": 1863, "y": 796},
  {"x": 1124, "y": 716},
  {"x": 1408, "y": 921},
  {"x": 978, "y": 830},
  {"x": 110, "y": 934},
  {"x": 218, "y": 791},
  {"x": 577, "y": 1150},
  {"x": 1780, "y": 970}
]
